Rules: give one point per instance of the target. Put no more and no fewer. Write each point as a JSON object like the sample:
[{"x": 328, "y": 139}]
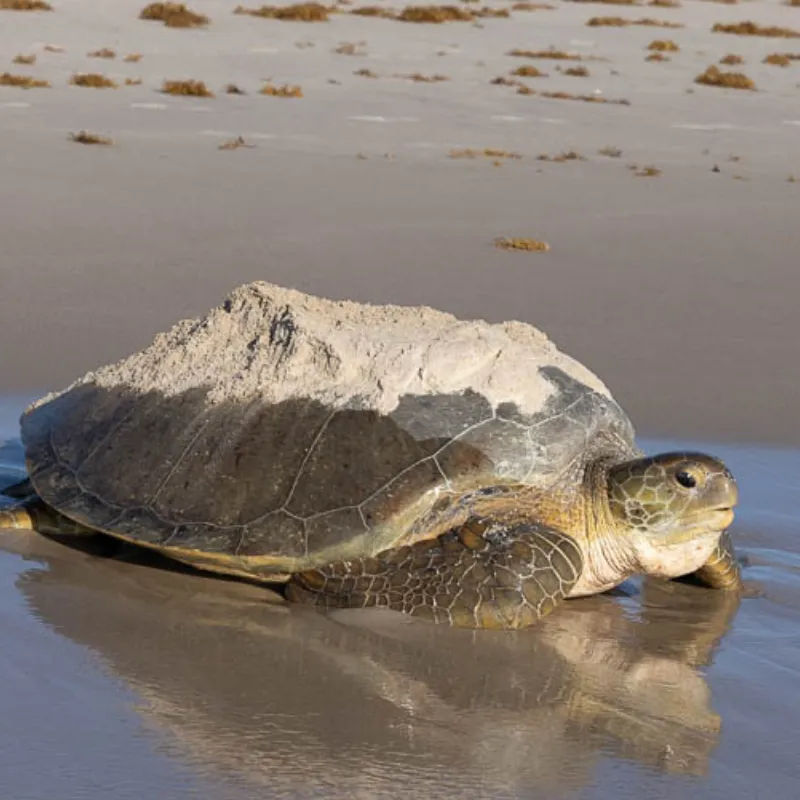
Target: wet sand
[
  {"x": 128, "y": 676},
  {"x": 128, "y": 680}
]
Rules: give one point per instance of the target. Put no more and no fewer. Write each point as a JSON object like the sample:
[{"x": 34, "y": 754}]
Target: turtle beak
[
  {"x": 719, "y": 499},
  {"x": 722, "y": 492}
]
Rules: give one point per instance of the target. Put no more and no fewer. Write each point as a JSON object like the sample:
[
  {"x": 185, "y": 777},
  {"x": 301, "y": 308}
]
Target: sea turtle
[{"x": 367, "y": 455}]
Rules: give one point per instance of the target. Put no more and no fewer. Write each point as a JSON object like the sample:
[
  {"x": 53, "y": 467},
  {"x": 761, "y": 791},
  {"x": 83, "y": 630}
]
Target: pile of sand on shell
[{"x": 281, "y": 344}]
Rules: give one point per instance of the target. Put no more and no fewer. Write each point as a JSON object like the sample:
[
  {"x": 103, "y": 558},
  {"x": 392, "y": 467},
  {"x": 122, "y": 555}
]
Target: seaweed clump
[
  {"x": 748, "y": 28},
  {"x": 25, "y": 5},
  {"x": 374, "y": 11},
  {"x": 663, "y": 46},
  {"x": 92, "y": 80},
  {"x": 435, "y": 14},
  {"x": 235, "y": 144},
  {"x": 497, "y": 13},
  {"x": 781, "y": 59},
  {"x": 622, "y": 22},
  {"x": 173, "y": 15},
  {"x": 585, "y": 98},
  {"x": 521, "y": 244},
  {"x": 527, "y": 71},
  {"x": 418, "y": 77},
  {"x": 714, "y": 76},
  {"x": 287, "y": 90},
  {"x": 298, "y": 12},
  {"x": 84, "y": 137},
  {"x": 558, "y": 55},
  {"x": 647, "y": 172},
  {"x": 487, "y": 152},
  {"x": 562, "y": 158},
  {"x": 22, "y": 81},
  {"x": 190, "y": 88}
]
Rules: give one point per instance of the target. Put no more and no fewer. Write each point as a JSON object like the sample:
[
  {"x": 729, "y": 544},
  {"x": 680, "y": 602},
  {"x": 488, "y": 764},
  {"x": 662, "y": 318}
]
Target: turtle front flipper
[
  {"x": 722, "y": 570},
  {"x": 34, "y": 514},
  {"x": 485, "y": 574}
]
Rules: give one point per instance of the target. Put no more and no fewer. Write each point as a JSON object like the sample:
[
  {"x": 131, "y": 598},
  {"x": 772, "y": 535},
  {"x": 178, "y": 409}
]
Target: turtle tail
[{"x": 19, "y": 491}]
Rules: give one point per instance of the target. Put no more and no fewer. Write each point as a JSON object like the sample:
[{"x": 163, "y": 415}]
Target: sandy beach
[
  {"x": 672, "y": 272},
  {"x": 680, "y": 290}
]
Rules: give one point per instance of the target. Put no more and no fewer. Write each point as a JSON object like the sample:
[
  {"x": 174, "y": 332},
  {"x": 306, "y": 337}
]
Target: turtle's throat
[{"x": 609, "y": 553}]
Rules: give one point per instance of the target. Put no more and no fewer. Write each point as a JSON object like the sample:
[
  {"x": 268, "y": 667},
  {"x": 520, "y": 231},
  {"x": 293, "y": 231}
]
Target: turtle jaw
[
  {"x": 685, "y": 547},
  {"x": 671, "y": 558}
]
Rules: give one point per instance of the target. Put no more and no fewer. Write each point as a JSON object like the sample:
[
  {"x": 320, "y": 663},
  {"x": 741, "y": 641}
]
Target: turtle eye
[{"x": 686, "y": 478}]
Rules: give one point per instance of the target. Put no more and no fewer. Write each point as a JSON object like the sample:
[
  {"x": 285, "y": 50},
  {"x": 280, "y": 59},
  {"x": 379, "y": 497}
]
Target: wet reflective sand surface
[{"x": 124, "y": 675}]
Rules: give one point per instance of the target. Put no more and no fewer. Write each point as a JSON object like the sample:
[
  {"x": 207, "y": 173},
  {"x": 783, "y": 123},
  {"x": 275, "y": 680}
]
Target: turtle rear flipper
[
  {"x": 485, "y": 574},
  {"x": 34, "y": 514},
  {"x": 15, "y": 518}
]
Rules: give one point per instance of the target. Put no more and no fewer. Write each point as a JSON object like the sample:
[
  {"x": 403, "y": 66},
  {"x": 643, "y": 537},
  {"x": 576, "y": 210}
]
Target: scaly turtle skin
[
  {"x": 479, "y": 507},
  {"x": 660, "y": 516}
]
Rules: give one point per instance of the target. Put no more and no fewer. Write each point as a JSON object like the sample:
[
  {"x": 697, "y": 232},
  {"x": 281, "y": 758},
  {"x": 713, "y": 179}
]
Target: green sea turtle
[{"x": 368, "y": 455}]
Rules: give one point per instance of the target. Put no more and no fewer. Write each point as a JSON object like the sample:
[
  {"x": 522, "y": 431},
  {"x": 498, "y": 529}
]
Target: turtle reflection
[{"x": 291, "y": 699}]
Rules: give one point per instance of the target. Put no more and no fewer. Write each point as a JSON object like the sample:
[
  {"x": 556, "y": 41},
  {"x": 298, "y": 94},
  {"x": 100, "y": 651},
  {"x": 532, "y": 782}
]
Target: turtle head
[{"x": 674, "y": 506}]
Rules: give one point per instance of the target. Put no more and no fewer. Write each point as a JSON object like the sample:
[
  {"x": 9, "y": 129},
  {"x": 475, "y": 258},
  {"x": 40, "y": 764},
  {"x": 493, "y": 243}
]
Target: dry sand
[
  {"x": 280, "y": 344},
  {"x": 678, "y": 286}
]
